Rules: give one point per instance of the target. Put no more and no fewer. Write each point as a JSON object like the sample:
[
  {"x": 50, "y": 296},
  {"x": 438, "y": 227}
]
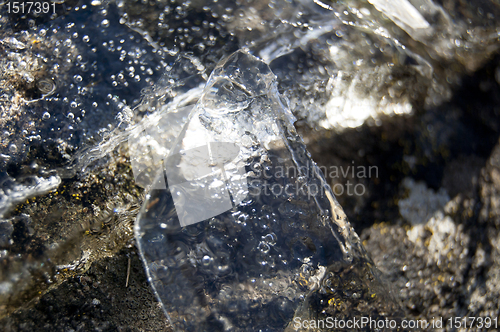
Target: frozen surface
[
  {"x": 77, "y": 86},
  {"x": 283, "y": 249}
]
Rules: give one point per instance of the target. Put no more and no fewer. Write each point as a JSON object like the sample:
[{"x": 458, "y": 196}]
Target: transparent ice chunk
[{"x": 254, "y": 240}]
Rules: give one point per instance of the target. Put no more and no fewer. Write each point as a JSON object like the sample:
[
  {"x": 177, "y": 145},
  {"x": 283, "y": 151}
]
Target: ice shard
[{"x": 281, "y": 251}]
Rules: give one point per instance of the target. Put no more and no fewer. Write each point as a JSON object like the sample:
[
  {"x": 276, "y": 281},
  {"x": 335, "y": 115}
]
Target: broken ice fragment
[
  {"x": 198, "y": 179},
  {"x": 402, "y": 13},
  {"x": 280, "y": 247}
]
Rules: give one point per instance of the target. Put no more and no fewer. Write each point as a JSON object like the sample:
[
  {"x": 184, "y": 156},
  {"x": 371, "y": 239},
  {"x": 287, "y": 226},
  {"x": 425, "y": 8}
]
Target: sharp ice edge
[{"x": 402, "y": 13}]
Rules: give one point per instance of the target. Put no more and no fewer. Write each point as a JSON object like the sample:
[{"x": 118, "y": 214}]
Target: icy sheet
[
  {"x": 282, "y": 249},
  {"x": 70, "y": 82}
]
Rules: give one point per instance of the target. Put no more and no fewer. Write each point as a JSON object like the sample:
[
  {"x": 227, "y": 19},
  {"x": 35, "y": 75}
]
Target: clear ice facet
[{"x": 246, "y": 235}]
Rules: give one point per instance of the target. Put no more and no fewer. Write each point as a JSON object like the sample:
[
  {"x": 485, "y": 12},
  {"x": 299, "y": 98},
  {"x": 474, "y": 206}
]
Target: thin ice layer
[{"x": 282, "y": 250}]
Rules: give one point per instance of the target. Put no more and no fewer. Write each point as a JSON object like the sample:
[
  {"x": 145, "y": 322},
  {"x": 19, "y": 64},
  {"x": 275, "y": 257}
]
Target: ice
[
  {"x": 13, "y": 192},
  {"x": 402, "y": 13},
  {"x": 153, "y": 138},
  {"x": 281, "y": 250},
  {"x": 77, "y": 85}
]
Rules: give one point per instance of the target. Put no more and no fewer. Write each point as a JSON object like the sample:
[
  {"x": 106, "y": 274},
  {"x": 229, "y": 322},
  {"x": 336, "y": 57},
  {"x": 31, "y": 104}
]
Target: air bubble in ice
[
  {"x": 206, "y": 260},
  {"x": 264, "y": 247},
  {"x": 13, "y": 148},
  {"x": 46, "y": 86},
  {"x": 270, "y": 239}
]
